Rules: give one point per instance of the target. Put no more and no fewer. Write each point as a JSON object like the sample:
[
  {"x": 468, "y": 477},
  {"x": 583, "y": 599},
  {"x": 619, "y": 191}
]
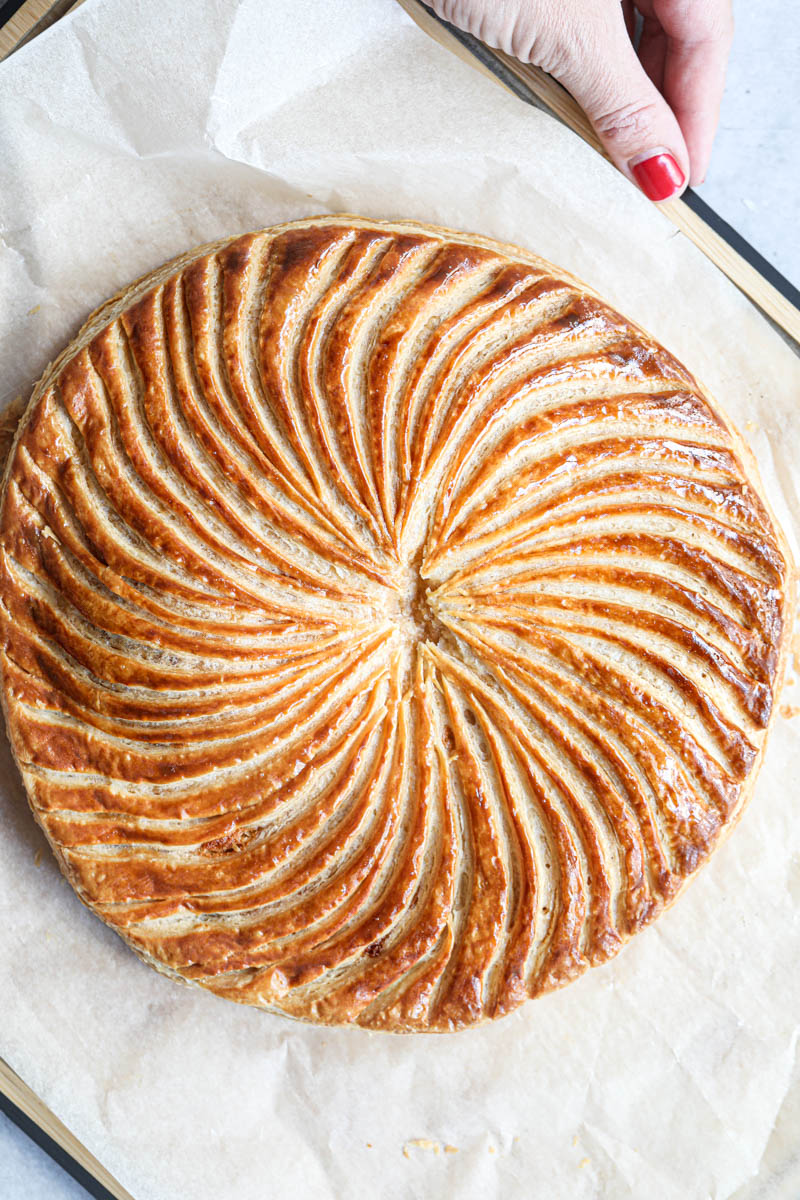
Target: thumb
[{"x": 632, "y": 119}]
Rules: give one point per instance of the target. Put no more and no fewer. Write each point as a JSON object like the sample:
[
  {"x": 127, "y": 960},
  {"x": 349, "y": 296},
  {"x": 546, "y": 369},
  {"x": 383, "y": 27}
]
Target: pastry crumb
[
  {"x": 421, "y": 1144},
  {"x": 789, "y": 711},
  {"x": 584, "y": 1163},
  {"x": 37, "y": 858},
  {"x": 450, "y": 1149}
]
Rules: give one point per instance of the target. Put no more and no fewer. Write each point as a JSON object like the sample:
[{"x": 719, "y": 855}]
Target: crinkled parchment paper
[{"x": 128, "y": 133}]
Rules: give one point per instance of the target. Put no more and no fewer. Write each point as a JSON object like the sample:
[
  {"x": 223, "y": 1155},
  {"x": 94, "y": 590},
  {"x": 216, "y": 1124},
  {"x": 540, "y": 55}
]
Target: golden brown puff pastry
[{"x": 389, "y": 627}]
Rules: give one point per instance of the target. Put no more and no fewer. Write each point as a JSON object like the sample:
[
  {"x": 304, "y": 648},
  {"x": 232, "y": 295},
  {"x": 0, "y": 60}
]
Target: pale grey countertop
[
  {"x": 753, "y": 184},
  {"x": 754, "y": 178}
]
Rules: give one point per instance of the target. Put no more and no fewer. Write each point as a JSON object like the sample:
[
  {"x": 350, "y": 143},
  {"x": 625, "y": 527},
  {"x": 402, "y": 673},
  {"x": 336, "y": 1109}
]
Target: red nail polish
[{"x": 658, "y": 175}]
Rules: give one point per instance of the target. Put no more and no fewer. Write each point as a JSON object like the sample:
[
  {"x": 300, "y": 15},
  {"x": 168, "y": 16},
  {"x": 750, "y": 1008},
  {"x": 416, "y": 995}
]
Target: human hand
[{"x": 656, "y": 112}]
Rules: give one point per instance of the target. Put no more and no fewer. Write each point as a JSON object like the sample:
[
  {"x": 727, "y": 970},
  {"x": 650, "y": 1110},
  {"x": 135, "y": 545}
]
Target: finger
[
  {"x": 694, "y": 81},
  {"x": 653, "y": 50},
  {"x": 630, "y": 116}
]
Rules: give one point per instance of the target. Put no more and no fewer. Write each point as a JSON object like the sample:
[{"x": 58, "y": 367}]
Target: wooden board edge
[
  {"x": 29, "y": 1104},
  {"x": 30, "y": 19},
  {"x": 552, "y": 96},
  {"x": 21, "y": 23}
]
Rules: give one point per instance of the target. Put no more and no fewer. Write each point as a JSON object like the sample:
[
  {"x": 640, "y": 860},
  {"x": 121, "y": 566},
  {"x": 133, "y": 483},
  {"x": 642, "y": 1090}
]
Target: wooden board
[{"x": 29, "y": 20}]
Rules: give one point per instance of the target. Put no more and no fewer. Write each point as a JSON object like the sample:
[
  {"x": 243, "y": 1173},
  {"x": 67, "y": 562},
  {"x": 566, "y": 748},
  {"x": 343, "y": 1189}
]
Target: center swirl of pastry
[{"x": 412, "y": 609}]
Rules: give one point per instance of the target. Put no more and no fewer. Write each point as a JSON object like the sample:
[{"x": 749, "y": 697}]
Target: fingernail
[{"x": 657, "y": 174}]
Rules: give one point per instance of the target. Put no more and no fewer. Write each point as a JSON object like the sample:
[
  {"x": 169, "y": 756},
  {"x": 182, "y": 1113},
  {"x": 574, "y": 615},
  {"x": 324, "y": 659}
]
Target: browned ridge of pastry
[{"x": 389, "y": 627}]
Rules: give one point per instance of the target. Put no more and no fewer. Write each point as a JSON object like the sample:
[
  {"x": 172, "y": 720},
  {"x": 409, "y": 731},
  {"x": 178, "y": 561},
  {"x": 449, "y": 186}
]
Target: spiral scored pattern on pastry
[{"x": 389, "y": 626}]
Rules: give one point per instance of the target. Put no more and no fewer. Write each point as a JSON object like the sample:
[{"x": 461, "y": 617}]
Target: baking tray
[{"x": 771, "y": 292}]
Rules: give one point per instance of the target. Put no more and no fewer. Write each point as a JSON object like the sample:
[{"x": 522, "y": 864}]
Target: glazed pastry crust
[{"x": 389, "y": 627}]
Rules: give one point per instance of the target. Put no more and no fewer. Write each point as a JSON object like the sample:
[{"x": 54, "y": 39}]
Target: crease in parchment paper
[
  {"x": 129, "y": 133},
  {"x": 779, "y": 1164}
]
